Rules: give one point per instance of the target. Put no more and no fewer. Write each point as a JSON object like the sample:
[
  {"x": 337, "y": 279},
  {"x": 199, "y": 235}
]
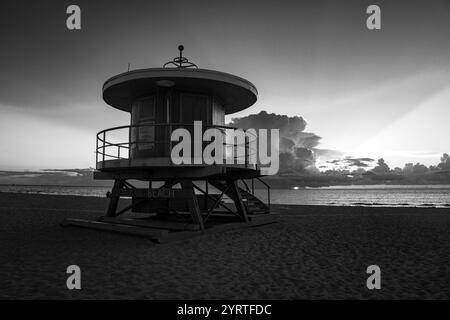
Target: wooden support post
[
  {"x": 114, "y": 201},
  {"x": 192, "y": 202},
  {"x": 206, "y": 194},
  {"x": 168, "y": 184},
  {"x": 235, "y": 195}
]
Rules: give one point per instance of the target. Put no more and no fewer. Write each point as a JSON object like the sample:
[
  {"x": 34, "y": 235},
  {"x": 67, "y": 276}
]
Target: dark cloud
[
  {"x": 286, "y": 144},
  {"x": 308, "y": 139},
  {"x": 358, "y": 163},
  {"x": 351, "y": 163},
  {"x": 288, "y": 126},
  {"x": 296, "y": 145}
]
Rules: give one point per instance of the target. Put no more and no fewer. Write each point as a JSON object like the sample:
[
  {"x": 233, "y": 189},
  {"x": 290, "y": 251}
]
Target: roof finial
[{"x": 181, "y": 62}]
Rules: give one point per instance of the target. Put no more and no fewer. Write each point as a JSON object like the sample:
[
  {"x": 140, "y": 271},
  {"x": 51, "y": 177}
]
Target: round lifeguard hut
[{"x": 177, "y": 197}]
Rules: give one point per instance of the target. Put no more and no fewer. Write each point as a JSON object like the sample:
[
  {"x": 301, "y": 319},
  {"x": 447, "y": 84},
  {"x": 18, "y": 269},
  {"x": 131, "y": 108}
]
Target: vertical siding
[{"x": 218, "y": 113}]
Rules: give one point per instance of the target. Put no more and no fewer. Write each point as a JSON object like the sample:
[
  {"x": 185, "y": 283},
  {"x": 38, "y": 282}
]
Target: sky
[{"x": 367, "y": 93}]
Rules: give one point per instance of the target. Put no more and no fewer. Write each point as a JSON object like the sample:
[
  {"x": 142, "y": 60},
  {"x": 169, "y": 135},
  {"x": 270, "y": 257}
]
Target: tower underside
[{"x": 173, "y": 203}]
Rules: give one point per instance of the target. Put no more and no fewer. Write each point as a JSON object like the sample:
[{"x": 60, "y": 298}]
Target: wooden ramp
[
  {"x": 156, "y": 235},
  {"x": 161, "y": 231}
]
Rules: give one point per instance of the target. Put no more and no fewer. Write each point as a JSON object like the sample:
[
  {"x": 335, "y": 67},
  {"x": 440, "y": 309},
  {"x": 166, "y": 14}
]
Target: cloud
[
  {"x": 297, "y": 147},
  {"x": 328, "y": 154},
  {"x": 351, "y": 163},
  {"x": 65, "y": 177}
]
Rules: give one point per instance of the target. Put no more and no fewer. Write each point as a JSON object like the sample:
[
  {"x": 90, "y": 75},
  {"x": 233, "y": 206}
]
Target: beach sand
[{"x": 310, "y": 253}]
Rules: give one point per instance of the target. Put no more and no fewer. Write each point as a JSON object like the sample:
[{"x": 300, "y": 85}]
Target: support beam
[
  {"x": 165, "y": 213},
  {"x": 114, "y": 200},
  {"x": 235, "y": 195},
  {"x": 188, "y": 187}
]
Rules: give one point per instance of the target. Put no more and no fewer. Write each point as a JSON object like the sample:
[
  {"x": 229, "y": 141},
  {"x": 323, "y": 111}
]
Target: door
[{"x": 194, "y": 107}]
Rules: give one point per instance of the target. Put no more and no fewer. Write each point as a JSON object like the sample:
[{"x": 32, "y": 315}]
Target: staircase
[{"x": 253, "y": 205}]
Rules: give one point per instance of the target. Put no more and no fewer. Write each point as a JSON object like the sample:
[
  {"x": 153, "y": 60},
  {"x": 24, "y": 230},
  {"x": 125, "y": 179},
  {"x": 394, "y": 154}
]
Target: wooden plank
[
  {"x": 152, "y": 223},
  {"x": 235, "y": 195},
  {"x": 192, "y": 203},
  {"x": 153, "y": 234},
  {"x": 145, "y": 205},
  {"x": 114, "y": 200}
]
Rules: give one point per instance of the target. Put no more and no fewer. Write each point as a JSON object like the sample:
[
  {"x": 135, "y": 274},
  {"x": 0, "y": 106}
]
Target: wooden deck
[{"x": 163, "y": 231}]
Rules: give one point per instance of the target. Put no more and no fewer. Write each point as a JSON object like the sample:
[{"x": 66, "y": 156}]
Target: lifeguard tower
[{"x": 177, "y": 198}]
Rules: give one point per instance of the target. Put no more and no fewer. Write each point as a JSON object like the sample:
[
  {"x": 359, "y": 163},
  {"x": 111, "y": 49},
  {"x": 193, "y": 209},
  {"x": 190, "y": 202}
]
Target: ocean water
[{"x": 369, "y": 195}]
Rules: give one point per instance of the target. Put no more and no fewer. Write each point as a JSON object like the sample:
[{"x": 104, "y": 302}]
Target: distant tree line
[
  {"x": 411, "y": 168},
  {"x": 410, "y": 174}
]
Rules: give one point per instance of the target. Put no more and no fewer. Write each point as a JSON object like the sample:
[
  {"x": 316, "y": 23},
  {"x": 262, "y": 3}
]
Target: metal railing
[
  {"x": 125, "y": 142},
  {"x": 267, "y": 187}
]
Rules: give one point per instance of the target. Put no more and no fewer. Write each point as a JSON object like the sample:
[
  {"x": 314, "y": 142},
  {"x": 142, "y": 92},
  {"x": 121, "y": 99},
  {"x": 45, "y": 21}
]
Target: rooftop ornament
[{"x": 181, "y": 62}]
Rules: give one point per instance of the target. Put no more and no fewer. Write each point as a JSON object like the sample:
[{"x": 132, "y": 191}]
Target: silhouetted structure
[{"x": 159, "y": 101}]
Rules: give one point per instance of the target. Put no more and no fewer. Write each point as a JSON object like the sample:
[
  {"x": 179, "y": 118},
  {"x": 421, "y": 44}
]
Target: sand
[{"x": 311, "y": 253}]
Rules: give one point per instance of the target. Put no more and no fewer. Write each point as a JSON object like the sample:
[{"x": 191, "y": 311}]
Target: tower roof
[{"x": 235, "y": 93}]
